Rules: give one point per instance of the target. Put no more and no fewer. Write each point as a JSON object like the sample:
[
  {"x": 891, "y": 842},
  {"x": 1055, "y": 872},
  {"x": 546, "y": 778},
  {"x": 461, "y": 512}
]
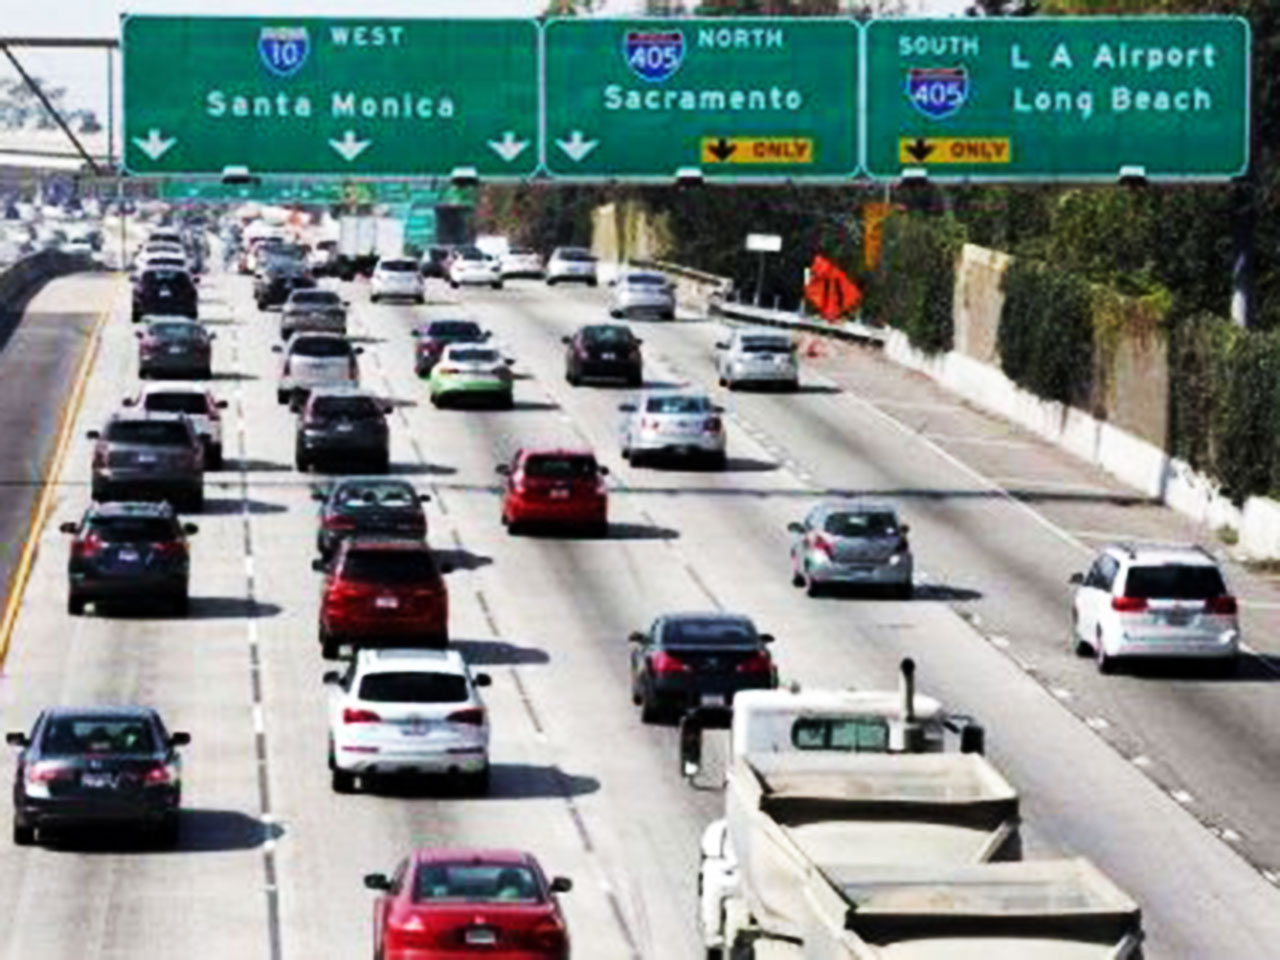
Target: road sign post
[
  {"x": 1077, "y": 98},
  {"x": 330, "y": 96},
  {"x": 742, "y": 99}
]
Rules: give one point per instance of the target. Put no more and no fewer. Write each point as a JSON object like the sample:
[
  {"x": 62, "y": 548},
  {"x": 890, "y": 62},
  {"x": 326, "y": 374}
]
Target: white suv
[
  {"x": 397, "y": 278},
  {"x": 1154, "y": 601},
  {"x": 399, "y": 711}
]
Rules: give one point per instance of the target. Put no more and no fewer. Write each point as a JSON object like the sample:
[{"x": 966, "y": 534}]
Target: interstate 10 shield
[
  {"x": 653, "y": 56},
  {"x": 283, "y": 50}
]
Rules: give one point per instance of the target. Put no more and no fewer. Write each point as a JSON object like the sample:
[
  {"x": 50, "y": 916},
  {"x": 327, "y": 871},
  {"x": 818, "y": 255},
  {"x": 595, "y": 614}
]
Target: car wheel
[
  {"x": 650, "y": 712},
  {"x": 669, "y": 315},
  {"x": 1078, "y": 644},
  {"x": 75, "y": 605},
  {"x": 437, "y": 401},
  {"x": 420, "y": 300},
  {"x": 328, "y": 645},
  {"x": 904, "y": 591},
  {"x": 811, "y": 586},
  {"x": 342, "y": 781},
  {"x": 514, "y": 528},
  {"x": 181, "y": 605},
  {"x": 373, "y": 298},
  {"x": 454, "y": 284},
  {"x": 23, "y": 834},
  {"x": 551, "y": 281},
  {"x": 477, "y": 784},
  {"x": 497, "y": 285},
  {"x": 214, "y": 459},
  {"x": 797, "y": 578},
  {"x": 1106, "y": 662}
]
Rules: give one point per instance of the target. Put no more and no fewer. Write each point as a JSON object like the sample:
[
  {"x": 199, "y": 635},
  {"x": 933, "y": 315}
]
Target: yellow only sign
[
  {"x": 920, "y": 151},
  {"x": 757, "y": 150}
]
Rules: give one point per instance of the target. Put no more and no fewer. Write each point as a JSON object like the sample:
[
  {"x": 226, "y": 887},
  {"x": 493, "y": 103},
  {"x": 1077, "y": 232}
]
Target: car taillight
[
  {"x": 448, "y": 370},
  {"x": 758, "y": 662},
  {"x": 158, "y": 776},
  {"x": 356, "y": 715},
  {"x": 170, "y": 548},
  {"x": 664, "y": 662},
  {"x": 648, "y": 423},
  {"x": 1221, "y": 605},
  {"x": 547, "y": 934},
  {"x": 339, "y": 523},
  {"x": 412, "y": 933},
  {"x": 1129, "y": 604},
  {"x": 472, "y": 715},
  {"x": 47, "y": 772},
  {"x": 824, "y": 545},
  {"x": 87, "y": 547},
  {"x": 288, "y": 363},
  {"x": 353, "y": 368},
  {"x": 712, "y": 425},
  {"x": 342, "y": 591}
]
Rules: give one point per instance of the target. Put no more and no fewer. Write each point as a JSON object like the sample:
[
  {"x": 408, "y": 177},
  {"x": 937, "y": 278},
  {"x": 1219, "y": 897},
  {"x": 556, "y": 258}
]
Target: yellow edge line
[{"x": 44, "y": 503}]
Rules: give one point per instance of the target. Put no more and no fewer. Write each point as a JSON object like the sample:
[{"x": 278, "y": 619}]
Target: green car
[{"x": 471, "y": 373}]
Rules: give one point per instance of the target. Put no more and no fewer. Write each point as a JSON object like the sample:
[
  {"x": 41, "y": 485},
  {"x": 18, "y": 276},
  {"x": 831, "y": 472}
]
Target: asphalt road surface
[{"x": 1131, "y": 772}]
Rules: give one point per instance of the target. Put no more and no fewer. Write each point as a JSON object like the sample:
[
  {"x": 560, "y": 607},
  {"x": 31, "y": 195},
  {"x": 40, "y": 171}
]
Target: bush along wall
[
  {"x": 1046, "y": 333},
  {"x": 913, "y": 288}
]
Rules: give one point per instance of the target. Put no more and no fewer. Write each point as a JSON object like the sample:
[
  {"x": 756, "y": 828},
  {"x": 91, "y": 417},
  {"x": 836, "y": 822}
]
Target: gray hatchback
[
  {"x": 851, "y": 544},
  {"x": 153, "y": 457}
]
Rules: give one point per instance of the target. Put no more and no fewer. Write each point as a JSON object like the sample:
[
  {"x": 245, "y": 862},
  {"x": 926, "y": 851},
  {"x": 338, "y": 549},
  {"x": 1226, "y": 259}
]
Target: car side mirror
[
  {"x": 16, "y": 739},
  {"x": 388, "y": 408},
  {"x": 561, "y": 885},
  {"x": 905, "y": 528},
  {"x": 722, "y": 345},
  {"x": 377, "y": 881},
  {"x": 602, "y": 470},
  {"x": 447, "y": 568},
  {"x": 509, "y": 361},
  {"x": 319, "y": 565},
  {"x": 717, "y": 409},
  {"x": 213, "y": 336},
  {"x": 346, "y": 303},
  {"x": 503, "y": 469},
  {"x": 128, "y": 402},
  {"x": 68, "y": 527},
  {"x": 221, "y": 404},
  {"x": 1076, "y": 578},
  {"x": 637, "y": 636},
  {"x": 483, "y": 680},
  {"x": 767, "y": 638},
  {"x": 190, "y": 528},
  {"x": 276, "y": 348},
  {"x": 613, "y": 283},
  {"x": 424, "y": 498},
  {"x": 332, "y": 677},
  {"x": 566, "y": 340},
  {"x": 179, "y": 739},
  {"x": 93, "y": 434},
  {"x": 796, "y": 528}
]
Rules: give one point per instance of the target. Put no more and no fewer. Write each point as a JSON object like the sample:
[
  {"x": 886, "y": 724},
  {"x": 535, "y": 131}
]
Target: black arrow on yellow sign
[
  {"x": 920, "y": 149},
  {"x": 722, "y": 149}
]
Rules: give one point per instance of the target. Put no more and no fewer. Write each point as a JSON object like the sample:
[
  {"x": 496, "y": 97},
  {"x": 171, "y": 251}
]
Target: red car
[
  {"x": 460, "y": 904},
  {"x": 562, "y": 487},
  {"x": 383, "y": 591}
]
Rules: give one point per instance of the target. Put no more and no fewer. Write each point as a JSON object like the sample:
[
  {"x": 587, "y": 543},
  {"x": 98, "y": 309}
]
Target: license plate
[
  {"x": 482, "y": 935},
  {"x": 345, "y": 427},
  {"x": 608, "y": 356},
  {"x": 387, "y": 603},
  {"x": 128, "y": 556},
  {"x": 712, "y": 700},
  {"x": 416, "y": 727},
  {"x": 559, "y": 494},
  {"x": 1178, "y": 618},
  {"x": 165, "y": 292},
  {"x": 174, "y": 348},
  {"x": 95, "y": 781},
  {"x": 145, "y": 458}
]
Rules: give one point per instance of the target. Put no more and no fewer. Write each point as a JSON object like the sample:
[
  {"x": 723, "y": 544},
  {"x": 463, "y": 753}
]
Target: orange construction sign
[{"x": 830, "y": 290}]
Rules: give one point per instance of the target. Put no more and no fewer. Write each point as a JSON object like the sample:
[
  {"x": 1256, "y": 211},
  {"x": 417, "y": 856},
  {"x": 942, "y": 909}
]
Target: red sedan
[
  {"x": 461, "y": 904},
  {"x": 383, "y": 591},
  {"x": 560, "y": 487}
]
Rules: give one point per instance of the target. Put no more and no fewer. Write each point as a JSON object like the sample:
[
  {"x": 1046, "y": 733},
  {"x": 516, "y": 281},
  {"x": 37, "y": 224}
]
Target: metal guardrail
[{"x": 850, "y": 330}]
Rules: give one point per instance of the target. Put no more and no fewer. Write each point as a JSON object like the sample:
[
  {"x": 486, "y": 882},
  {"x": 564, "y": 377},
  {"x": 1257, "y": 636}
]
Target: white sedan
[
  {"x": 469, "y": 266},
  {"x": 397, "y": 278},
  {"x": 407, "y": 711}
]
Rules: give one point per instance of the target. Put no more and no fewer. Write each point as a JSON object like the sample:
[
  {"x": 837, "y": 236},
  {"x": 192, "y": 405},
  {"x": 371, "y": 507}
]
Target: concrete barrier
[{"x": 20, "y": 281}]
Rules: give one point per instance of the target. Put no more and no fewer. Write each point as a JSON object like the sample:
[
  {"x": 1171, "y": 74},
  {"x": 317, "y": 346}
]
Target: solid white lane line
[{"x": 979, "y": 441}]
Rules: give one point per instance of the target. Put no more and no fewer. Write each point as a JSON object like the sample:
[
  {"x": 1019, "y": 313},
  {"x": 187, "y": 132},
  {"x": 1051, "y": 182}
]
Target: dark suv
[
  {"x": 157, "y": 456},
  {"x": 342, "y": 424},
  {"x": 279, "y": 278},
  {"x": 129, "y": 552},
  {"x": 164, "y": 291},
  {"x": 100, "y": 766},
  {"x": 608, "y": 350}
]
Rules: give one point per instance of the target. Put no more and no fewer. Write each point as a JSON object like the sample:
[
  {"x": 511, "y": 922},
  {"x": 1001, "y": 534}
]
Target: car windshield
[
  {"x": 678, "y": 404},
  {"x": 576, "y": 255},
  {"x": 476, "y": 883},
  {"x": 1175, "y": 582},
  {"x": 708, "y": 631},
  {"x": 414, "y": 687},
  {"x": 453, "y": 329},
  {"x": 560, "y": 467},
  {"x": 474, "y": 355},
  {"x": 645, "y": 280},
  {"x": 132, "y": 529},
  {"x": 176, "y": 403},
  {"x": 398, "y": 266},
  {"x": 375, "y": 494},
  {"x": 610, "y": 334},
  {"x": 858, "y": 524},
  {"x": 320, "y": 347},
  {"x": 766, "y": 345},
  {"x": 73, "y": 736},
  {"x": 312, "y": 298},
  {"x": 175, "y": 331},
  {"x": 156, "y": 433},
  {"x": 349, "y": 408},
  {"x": 389, "y": 566}
]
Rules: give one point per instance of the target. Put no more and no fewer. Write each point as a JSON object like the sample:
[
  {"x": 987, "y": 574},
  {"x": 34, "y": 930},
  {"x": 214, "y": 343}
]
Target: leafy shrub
[
  {"x": 914, "y": 287},
  {"x": 1045, "y": 336}
]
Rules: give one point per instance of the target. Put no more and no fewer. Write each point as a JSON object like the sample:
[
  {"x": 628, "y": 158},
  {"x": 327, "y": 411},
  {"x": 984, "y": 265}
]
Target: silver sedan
[
  {"x": 682, "y": 423},
  {"x": 851, "y": 544},
  {"x": 643, "y": 293}
]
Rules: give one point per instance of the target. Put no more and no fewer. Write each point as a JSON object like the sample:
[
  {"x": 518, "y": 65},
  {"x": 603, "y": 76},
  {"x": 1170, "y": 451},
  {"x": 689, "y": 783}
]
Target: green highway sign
[
  {"x": 297, "y": 191},
  {"x": 741, "y": 99},
  {"x": 1073, "y": 98},
  {"x": 301, "y": 95}
]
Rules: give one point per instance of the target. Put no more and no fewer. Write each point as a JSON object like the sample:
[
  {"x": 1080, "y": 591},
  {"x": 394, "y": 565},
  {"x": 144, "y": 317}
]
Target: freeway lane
[{"x": 577, "y": 778}]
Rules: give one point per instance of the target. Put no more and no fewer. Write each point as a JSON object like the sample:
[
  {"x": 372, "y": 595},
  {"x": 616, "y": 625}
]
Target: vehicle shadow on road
[
  {"x": 520, "y": 406},
  {"x": 230, "y": 608},
  {"x": 200, "y": 831},
  {"x": 460, "y": 559},
  {"x": 422, "y": 469},
  {"x": 499, "y": 653},
  {"x": 1251, "y": 668},
  {"x": 398, "y": 402},
  {"x": 616, "y": 531},
  {"x": 508, "y": 781},
  {"x": 250, "y": 465},
  {"x": 229, "y": 506},
  {"x": 818, "y": 389},
  {"x": 233, "y": 376},
  {"x": 945, "y": 592}
]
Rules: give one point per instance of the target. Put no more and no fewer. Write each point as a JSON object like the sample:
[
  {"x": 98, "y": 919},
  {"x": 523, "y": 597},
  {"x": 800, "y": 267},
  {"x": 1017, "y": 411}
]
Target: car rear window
[
  {"x": 74, "y": 736},
  {"x": 176, "y": 331},
  {"x": 159, "y": 433},
  {"x": 320, "y": 347},
  {"x": 176, "y": 403},
  {"x": 351, "y": 408},
  {"x": 133, "y": 529},
  {"x": 1174, "y": 582},
  {"x": 399, "y": 266},
  {"x": 708, "y": 631},
  {"x": 414, "y": 687},
  {"x": 678, "y": 405},
  {"x": 576, "y": 254},
  {"x": 766, "y": 345},
  {"x": 609, "y": 334},
  {"x": 560, "y": 467},
  {"x": 165, "y": 261},
  {"x": 454, "y": 328},
  {"x": 476, "y": 883},
  {"x": 521, "y": 252},
  {"x": 155, "y": 278},
  {"x": 474, "y": 355},
  {"x": 389, "y": 566},
  {"x": 858, "y": 524},
  {"x": 645, "y": 280},
  {"x": 312, "y": 297},
  {"x": 387, "y": 494},
  {"x": 854, "y": 734}
]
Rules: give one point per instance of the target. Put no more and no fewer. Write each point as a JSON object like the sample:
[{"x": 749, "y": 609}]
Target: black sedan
[
  {"x": 279, "y": 278},
  {"x": 368, "y": 506},
  {"x": 690, "y": 660},
  {"x": 603, "y": 350},
  {"x": 97, "y": 766}
]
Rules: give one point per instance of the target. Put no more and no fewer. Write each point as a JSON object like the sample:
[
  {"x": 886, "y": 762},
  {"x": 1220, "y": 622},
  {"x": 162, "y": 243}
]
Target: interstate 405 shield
[{"x": 752, "y": 99}]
